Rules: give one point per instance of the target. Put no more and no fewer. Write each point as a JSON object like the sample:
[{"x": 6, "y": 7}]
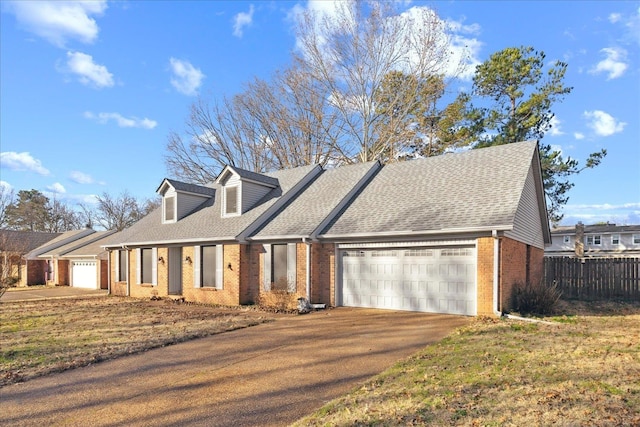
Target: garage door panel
[{"x": 421, "y": 279}]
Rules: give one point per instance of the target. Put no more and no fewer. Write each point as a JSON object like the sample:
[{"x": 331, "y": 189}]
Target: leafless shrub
[{"x": 535, "y": 297}]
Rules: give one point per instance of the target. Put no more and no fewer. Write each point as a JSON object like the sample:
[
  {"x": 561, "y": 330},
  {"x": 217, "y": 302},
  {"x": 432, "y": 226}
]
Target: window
[
  {"x": 566, "y": 239},
  {"x": 615, "y": 239},
  {"x": 169, "y": 209},
  {"x": 354, "y": 253},
  {"x": 418, "y": 252},
  {"x": 231, "y": 200},
  {"x": 384, "y": 253},
  {"x": 279, "y": 267},
  {"x": 636, "y": 239},
  {"x": 457, "y": 252},
  {"x": 208, "y": 267},
  {"x": 146, "y": 271},
  {"x": 595, "y": 240},
  {"x": 122, "y": 266}
]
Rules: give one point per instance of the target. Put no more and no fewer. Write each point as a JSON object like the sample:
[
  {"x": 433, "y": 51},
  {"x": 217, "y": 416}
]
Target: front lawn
[
  {"x": 584, "y": 370},
  {"x": 41, "y": 337}
]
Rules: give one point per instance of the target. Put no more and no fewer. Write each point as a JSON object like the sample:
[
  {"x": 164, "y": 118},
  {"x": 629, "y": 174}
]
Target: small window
[
  {"x": 636, "y": 239},
  {"x": 456, "y": 252},
  {"x": 384, "y": 253},
  {"x": 208, "y": 266},
  {"x": 122, "y": 266},
  {"x": 146, "y": 271},
  {"x": 169, "y": 209},
  {"x": 566, "y": 239},
  {"x": 595, "y": 240},
  {"x": 418, "y": 252},
  {"x": 615, "y": 239},
  {"x": 354, "y": 253},
  {"x": 231, "y": 202}
]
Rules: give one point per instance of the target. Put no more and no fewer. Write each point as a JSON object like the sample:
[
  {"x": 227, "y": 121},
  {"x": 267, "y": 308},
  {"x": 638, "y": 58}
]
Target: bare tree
[
  {"x": 62, "y": 217},
  {"x": 7, "y": 197},
  {"x": 117, "y": 213},
  {"x": 322, "y": 108},
  {"x": 351, "y": 51}
]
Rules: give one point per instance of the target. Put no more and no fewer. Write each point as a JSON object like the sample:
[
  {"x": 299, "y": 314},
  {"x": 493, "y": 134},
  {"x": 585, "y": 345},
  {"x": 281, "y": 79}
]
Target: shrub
[
  {"x": 280, "y": 298},
  {"x": 535, "y": 298}
]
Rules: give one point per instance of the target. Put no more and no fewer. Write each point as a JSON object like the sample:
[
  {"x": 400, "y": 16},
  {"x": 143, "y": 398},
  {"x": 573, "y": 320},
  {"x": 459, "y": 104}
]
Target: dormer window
[
  {"x": 169, "y": 205},
  {"x": 242, "y": 189},
  {"x": 231, "y": 200}
]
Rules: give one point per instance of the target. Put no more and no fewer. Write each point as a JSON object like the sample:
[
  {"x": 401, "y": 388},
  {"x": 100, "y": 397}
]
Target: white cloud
[
  {"x": 623, "y": 213},
  {"x": 242, "y": 20},
  {"x": 123, "y": 122},
  {"x": 578, "y": 135},
  {"x": 614, "y": 64},
  {"x": 603, "y": 123},
  {"x": 56, "y": 188},
  {"x": 6, "y": 186},
  {"x": 80, "y": 177},
  {"x": 555, "y": 127},
  {"x": 186, "y": 78},
  {"x": 90, "y": 73},
  {"x": 22, "y": 162},
  {"x": 59, "y": 21},
  {"x": 614, "y": 17}
]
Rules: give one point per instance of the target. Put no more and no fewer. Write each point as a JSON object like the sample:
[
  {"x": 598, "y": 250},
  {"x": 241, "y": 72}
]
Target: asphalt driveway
[
  {"x": 271, "y": 374},
  {"x": 48, "y": 292}
]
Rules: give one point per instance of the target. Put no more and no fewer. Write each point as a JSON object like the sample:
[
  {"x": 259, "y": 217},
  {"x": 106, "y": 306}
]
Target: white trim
[
  {"x": 197, "y": 280},
  {"x": 219, "y": 266},
  {"x": 139, "y": 266},
  {"x": 415, "y": 233},
  {"x": 433, "y": 243},
  {"x": 154, "y": 266}
]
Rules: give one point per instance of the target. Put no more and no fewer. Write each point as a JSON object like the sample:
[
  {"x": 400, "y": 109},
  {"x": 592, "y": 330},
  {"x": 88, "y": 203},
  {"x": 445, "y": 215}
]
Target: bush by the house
[{"x": 535, "y": 297}]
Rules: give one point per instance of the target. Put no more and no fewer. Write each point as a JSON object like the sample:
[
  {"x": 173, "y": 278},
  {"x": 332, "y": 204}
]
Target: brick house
[
  {"x": 14, "y": 266},
  {"x": 448, "y": 234}
]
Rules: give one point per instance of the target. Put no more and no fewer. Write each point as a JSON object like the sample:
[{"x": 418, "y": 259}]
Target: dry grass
[
  {"x": 582, "y": 371},
  {"x": 40, "y": 337}
]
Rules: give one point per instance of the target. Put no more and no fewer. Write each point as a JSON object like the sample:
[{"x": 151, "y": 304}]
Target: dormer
[
  {"x": 242, "y": 189},
  {"x": 179, "y": 199}
]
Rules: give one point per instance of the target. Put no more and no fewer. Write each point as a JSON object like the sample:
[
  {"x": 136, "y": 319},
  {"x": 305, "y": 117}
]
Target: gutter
[{"x": 416, "y": 233}]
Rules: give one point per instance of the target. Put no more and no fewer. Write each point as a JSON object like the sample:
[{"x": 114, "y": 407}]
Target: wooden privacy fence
[{"x": 595, "y": 278}]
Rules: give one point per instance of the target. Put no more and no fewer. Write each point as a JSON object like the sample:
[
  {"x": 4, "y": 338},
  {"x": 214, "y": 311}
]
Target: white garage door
[
  {"x": 84, "y": 274},
  {"x": 438, "y": 280}
]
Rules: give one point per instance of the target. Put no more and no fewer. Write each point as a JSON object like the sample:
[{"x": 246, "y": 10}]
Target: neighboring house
[
  {"x": 595, "y": 241},
  {"x": 47, "y": 271},
  {"x": 81, "y": 263},
  {"x": 14, "y": 245},
  {"x": 447, "y": 234}
]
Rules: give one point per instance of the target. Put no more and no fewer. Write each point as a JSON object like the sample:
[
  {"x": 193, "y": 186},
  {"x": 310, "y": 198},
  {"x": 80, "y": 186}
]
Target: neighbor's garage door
[
  {"x": 84, "y": 274},
  {"x": 439, "y": 280}
]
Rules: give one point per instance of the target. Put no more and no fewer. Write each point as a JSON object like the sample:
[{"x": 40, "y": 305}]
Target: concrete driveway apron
[{"x": 271, "y": 374}]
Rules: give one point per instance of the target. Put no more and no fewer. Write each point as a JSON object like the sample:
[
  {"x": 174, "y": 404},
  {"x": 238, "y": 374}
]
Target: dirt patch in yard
[{"x": 40, "y": 337}]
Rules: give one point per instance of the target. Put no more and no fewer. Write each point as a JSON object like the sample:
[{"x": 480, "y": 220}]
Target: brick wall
[
  {"x": 513, "y": 268},
  {"x": 536, "y": 264},
  {"x": 323, "y": 273},
  {"x": 63, "y": 273},
  {"x": 104, "y": 274},
  {"x": 251, "y": 272},
  {"x": 36, "y": 271},
  {"x": 485, "y": 276}
]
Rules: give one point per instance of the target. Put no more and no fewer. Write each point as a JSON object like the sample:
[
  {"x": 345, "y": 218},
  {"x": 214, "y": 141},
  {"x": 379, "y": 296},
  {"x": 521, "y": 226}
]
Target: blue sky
[{"x": 89, "y": 91}]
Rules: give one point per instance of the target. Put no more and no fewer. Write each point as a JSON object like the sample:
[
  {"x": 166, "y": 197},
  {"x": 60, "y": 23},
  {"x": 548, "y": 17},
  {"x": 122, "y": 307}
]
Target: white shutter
[
  {"x": 267, "y": 267},
  {"x": 196, "y": 267},
  {"x": 154, "y": 266},
  {"x": 219, "y": 266},
  {"x": 291, "y": 267},
  {"x": 139, "y": 266}
]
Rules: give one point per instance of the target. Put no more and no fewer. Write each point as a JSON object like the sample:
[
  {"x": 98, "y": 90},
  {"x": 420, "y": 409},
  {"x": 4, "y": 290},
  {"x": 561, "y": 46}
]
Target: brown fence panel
[{"x": 595, "y": 278}]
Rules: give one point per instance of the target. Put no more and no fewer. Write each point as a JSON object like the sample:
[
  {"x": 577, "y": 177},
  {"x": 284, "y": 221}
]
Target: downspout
[
  {"x": 308, "y": 268},
  {"x": 496, "y": 271}
]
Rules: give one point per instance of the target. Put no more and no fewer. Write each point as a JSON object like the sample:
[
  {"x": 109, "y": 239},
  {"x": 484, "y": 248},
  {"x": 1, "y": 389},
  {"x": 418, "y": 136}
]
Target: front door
[{"x": 175, "y": 271}]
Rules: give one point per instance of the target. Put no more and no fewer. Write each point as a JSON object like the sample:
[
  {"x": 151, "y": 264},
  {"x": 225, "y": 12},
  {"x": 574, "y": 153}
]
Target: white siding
[
  {"x": 527, "y": 227},
  {"x": 252, "y": 193}
]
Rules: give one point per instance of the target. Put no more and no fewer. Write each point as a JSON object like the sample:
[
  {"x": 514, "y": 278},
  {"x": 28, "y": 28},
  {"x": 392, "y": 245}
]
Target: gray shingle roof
[
  {"x": 190, "y": 188},
  {"x": 598, "y": 228},
  {"x": 254, "y": 176},
  {"x": 206, "y": 223},
  {"x": 473, "y": 189},
  {"x": 23, "y": 241},
  {"x": 307, "y": 211},
  {"x": 88, "y": 246},
  {"x": 62, "y": 239}
]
